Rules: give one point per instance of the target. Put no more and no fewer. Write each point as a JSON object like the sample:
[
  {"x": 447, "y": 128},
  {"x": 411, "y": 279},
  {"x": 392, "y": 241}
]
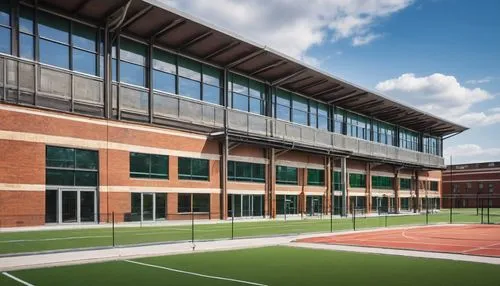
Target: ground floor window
[
  {"x": 314, "y": 205},
  {"x": 405, "y": 204},
  {"x": 337, "y": 205},
  {"x": 70, "y": 205},
  {"x": 358, "y": 204},
  {"x": 380, "y": 204},
  {"x": 245, "y": 205},
  {"x": 197, "y": 203},
  {"x": 287, "y": 204},
  {"x": 431, "y": 203},
  {"x": 147, "y": 207}
]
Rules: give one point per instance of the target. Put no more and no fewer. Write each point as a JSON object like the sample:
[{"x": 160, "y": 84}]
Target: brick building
[
  {"x": 135, "y": 108},
  {"x": 472, "y": 184}
]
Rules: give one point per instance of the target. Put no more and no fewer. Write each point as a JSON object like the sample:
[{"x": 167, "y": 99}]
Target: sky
[{"x": 441, "y": 56}]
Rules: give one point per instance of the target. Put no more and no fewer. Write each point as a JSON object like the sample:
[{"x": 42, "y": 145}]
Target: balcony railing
[{"x": 30, "y": 83}]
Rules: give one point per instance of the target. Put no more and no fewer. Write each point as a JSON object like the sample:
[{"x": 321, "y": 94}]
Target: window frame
[
  {"x": 191, "y": 197},
  {"x": 74, "y": 169},
  {"x": 320, "y": 173},
  {"x": 286, "y": 170},
  {"x": 150, "y": 174},
  {"x": 190, "y": 176},
  {"x": 234, "y": 165}
]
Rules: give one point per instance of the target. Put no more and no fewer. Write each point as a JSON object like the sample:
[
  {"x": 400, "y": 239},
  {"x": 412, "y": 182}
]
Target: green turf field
[
  {"x": 270, "y": 266},
  {"x": 17, "y": 242}
]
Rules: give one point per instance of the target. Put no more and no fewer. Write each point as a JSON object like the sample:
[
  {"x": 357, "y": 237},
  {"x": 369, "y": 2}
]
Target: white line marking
[
  {"x": 196, "y": 274},
  {"x": 17, "y": 279},
  {"x": 55, "y": 238}
]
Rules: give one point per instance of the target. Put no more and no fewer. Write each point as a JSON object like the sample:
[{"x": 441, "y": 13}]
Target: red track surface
[{"x": 481, "y": 240}]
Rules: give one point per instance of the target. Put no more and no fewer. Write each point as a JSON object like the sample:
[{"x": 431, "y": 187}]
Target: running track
[{"x": 483, "y": 240}]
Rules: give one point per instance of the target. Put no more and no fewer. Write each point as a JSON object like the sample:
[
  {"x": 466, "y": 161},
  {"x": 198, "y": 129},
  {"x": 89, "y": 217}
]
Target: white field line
[
  {"x": 196, "y": 274},
  {"x": 55, "y": 238},
  {"x": 482, "y": 247},
  {"x": 17, "y": 279}
]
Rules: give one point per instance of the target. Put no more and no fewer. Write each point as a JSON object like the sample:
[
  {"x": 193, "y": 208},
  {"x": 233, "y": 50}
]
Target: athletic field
[
  {"x": 132, "y": 234},
  {"x": 270, "y": 266}
]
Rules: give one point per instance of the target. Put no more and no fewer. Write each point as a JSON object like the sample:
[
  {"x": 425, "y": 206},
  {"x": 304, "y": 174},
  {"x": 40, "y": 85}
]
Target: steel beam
[
  {"x": 287, "y": 77},
  {"x": 299, "y": 80},
  {"x": 222, "y": 50},
  {"x": 195, "y": 40},
  {"x": 369, "y": 103},
  {"x": 384, "y": 110},
  {"x": 338, "y": 87},
  {"x": 268, "y": 67},
  {"x": 245, "y": 58},
  {"x": 136, "y": 16},
  {"x": 170, "y": 26},
  {"x": 347, "y": 95},
  {"x": 313, "y": 84}
]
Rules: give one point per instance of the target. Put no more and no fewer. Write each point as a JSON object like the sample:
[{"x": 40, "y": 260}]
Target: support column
[
  {"x": 223, "y": 178},
  {"x": 368, "y": 190},
  {"x": 302, "y": 196},
  {"x": 416, "y": 204},
  {"x": 397, "y": 188},
  {"x": 343, "y": 185},
  {"x": 271, "y": 186},
  {"x": 328, "y": 184}
]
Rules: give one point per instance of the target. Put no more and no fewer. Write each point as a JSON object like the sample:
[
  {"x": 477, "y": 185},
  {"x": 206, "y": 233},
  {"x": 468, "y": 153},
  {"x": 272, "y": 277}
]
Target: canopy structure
[{"x": 154, "y": 21}]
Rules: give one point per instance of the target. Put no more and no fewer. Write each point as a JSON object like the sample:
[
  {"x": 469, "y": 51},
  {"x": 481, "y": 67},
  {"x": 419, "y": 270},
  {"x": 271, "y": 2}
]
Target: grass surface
[
  {"x": 18, "y": 242},
  {"x": 269, "y": 266}
]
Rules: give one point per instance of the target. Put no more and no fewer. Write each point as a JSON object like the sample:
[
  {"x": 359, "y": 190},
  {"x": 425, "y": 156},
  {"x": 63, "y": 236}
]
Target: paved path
[{"x": 121, "y": 253}]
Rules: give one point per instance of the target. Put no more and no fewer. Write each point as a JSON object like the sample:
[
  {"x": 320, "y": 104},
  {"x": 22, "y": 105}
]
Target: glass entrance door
[
  {"x": 70, "y": 205},
  {"x": 69, "y": 201},
  {"x": 147, "y": 207}
]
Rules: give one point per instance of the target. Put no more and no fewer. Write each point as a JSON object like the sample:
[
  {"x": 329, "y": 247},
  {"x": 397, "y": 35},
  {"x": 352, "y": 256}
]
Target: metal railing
[{"x": 32, "y": 83}]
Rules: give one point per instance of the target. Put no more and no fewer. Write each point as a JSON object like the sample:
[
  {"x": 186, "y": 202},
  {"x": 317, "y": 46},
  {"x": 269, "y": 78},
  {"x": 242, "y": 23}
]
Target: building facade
[
  {"x": 136, "y": 109},
  {"x": 472, "y": 185}
]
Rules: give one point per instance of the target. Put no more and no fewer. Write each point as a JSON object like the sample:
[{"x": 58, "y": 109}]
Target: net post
[
  {"x": 232, "y": 216},
  {"x": 488, "y": 208},
  {"x": 354, "y": 218},
  {"x": 426, "y": 211},
  {"x": 482, "y": 211},
  {"x": 385, "y": 220},
  {"x": 451, "y": 209},
  {"x": 113, "y": 227},
  {"x": 192, "y": 226}
]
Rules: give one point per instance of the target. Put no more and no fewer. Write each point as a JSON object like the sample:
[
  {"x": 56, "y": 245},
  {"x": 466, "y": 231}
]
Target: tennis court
[
  {"x": 268, "y": 266},
  {"x": 483, "y": 240}
]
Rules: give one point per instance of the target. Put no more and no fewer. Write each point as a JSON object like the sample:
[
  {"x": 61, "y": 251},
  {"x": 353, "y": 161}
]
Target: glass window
[
  {"x": 4, "y": 14},
  {"x": 53, "y": 27},
  {"x": 71, "y": 167},
  {"x": 404, "y": 184},
  {"x": 193, "y": 169},
  {"x": 26, "y": 46},
  {"x": 339, "y": 121},
  {"x": 5, "y": 40},
  {"x": 337, "y": 181},
  {"x": 286, "y": 175},
  {"x": 300, "y": 108},
  {"x": 84, "y": 37},
  {"x": 84, "y": 62},
  {"x": 247, "y": 95},
  {"x": 434, "y": 186},
  {"x": 164, "y": 81},
  {"x": 315, "y": 177},
  {"x": 211, "y": 75},
  {"x": 54, "y": 54},
  {"x": 322, "y": 116},
  {"x": 408, "y": 139},
  {"x": 148, "y": 166},
  {"x": 382, "y": 182},
  {"x": 26, "y": 20},
  {"x": 357, "y": 180},
  {"x": 132, "y": 73},
  {"x": 246, "y": 172},
  {"x": 211, "y": 94},
  {"x": 189, "y": 69},
  {"x": 164, "y": 61},
  {"x": 189, "y": 88},
  {"x": 183, "y": 203}
]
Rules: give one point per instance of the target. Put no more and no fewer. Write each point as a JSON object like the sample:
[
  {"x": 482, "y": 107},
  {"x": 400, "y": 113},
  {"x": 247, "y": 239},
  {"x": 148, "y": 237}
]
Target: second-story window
[
  {"x": 404, "y": 184},
  {"x": 26, "y": 34},
  {"x": 358, "y": 126},
  {"x": 337, "y": 181},
  {"x": 286, "y": 175},
  {"x": 54, "y": 40},
  {"x": 246, "y": 94},
  {"x": 383, "y": 133},
  {"x": 299, "y": 109},
  {"x": 434, "y": 185},
  {"x": 84, "y": 41},
  {"x": 132, "y": 63},
  {"x": 315, "y": 177},
  {"x": 246, "y": 172},
  {"x": 357, "y": 180},
  {"x": 338, "y": 118},
  {"x": 193, "y": 169},
  {"x": 283, "y": 105},
  {"x": 189, "y": 78},
  {"x": 148, "y": 166},
  {"x": 164, "y": 71},
  {"x": 5, "y": 28},
  {"x": 382, "y": 182}
]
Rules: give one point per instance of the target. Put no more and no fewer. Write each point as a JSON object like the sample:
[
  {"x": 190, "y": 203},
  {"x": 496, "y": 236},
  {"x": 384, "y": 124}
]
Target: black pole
[
  {"x": 113, "y": 227},
  {"x": 385, "y": 220},
  {"x": 451, "y": 209},
  {"x": 488, "y": 208},
  {"x": 482, "y": 211},
  {"x": 285, "y": 208},
  {"x": 354, "y": 218},
  {"x": 232, "y": 216},
  {"x": 426, "y": 210},
  {"x": 477, "y": 203},
  {"x": 451, "y": 189},
  {"x": 192, "y": 226},
  {"x": 331, "y": 212}
]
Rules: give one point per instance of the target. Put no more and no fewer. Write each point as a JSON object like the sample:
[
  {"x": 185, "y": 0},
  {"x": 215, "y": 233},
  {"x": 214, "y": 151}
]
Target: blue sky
[{"x": 442, "y": 56}]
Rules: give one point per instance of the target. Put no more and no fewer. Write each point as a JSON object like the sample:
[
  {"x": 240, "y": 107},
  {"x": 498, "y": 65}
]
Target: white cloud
[
  {"x": 466, "y": 153},
  {"x": 494, "y": 109},
  {"x": 441, "y": 95},
  {"x": 292, "y": 27},
  {"x": 480, "y": 81},
  {"x": 364, "y": 39}
]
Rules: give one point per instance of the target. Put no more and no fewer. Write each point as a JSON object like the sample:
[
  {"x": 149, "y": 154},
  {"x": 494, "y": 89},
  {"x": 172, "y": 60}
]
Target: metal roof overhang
[{"x": 154, "y": 21}]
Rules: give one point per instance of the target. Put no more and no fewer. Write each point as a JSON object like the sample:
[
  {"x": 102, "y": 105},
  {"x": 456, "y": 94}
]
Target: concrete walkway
[{"x": 120, "y": 253}]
